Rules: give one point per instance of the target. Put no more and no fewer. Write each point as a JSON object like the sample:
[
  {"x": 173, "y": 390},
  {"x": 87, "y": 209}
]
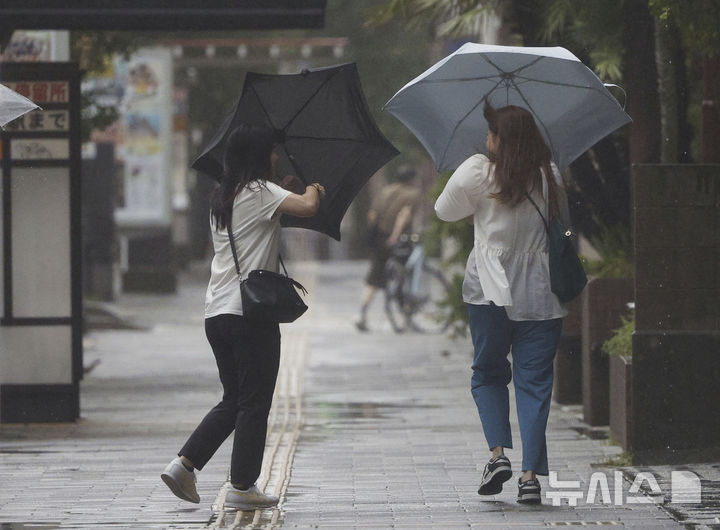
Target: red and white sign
[{"x": 42, "y": 91}]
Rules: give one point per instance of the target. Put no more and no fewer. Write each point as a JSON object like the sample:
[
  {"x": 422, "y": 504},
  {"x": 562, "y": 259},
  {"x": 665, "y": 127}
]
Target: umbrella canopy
[
  {"x": 443, "y": 106},
  {"x": 13, "y": 105},
  {"x": 325, "y": 131}
]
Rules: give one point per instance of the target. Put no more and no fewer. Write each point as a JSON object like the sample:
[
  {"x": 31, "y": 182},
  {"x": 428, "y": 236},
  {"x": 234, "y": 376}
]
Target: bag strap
[
  {"x": 547, "y": 227},
  {"x": 234, "y": 251},
  {"x": 232, "y": 244}
]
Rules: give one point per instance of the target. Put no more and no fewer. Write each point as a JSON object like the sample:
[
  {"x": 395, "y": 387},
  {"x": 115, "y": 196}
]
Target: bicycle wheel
[
  {"x": 427, "y": 312},
  {"x": 395, "y": 306}
]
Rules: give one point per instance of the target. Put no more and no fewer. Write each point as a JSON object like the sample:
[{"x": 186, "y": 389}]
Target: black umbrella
[{"x": 325, "y": 132}]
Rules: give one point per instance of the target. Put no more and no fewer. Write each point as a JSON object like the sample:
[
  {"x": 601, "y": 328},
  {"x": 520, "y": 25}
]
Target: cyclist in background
[{"x": 390, "y": 216}]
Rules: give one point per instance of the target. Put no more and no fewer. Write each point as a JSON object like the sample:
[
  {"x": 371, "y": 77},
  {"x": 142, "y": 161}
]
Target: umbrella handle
[{"x": 613, "y": 85}]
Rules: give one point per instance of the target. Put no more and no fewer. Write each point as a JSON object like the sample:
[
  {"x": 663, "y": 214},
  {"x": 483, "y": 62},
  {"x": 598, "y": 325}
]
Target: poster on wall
[
  {"x": 146, "y": 119},
  {"x": 29, "y": 46}
]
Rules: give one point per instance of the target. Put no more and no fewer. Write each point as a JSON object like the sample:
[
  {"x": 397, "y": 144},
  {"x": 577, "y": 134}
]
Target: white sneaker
[
  {"x": 250, "y": 499},
  {"x": 181, "y": 481}
]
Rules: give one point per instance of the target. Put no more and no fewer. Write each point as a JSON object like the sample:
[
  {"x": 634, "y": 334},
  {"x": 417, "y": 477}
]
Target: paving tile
[{"x": 389, "y": 435}]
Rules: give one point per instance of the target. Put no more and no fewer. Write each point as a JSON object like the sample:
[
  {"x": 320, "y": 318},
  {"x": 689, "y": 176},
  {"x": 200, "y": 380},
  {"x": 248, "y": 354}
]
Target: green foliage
[
  {"x": 94, "y": 52},
  {"x": 557, "y": 15},
  {"x": 451, "y": 17},
  {"x": 95, "y": 116},
  {"x": 387, "y": 57},
  {"x": 460, "y": 233},
  {"x": 621, "y": 341},
  {"x": 593, "y": 30},
  {"x": 615, "y": 246},
  {"x": 698, "y": 20},
  {"x": 457, "y": 314},
  {"x": 608, "y": 63},
  {"x": 459, "y": 237}
]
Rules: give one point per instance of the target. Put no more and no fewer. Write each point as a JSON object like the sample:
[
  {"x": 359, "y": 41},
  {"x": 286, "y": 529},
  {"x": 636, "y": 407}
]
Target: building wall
[{"x": 676, "y": 347}]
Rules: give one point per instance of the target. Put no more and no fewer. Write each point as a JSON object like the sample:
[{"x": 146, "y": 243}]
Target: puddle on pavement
[
  {"x": 28, "y": 526},
  {"x": 354, "y": 410},
  {"x": 24, "y": 452},
  {"x": 110, "y": 524}
]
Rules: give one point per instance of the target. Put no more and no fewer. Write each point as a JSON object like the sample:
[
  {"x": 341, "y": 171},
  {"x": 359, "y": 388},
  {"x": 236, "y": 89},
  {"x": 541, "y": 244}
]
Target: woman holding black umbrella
[
  {"x": 247, "y": 352},
  {"x": 507, "y": 288}
]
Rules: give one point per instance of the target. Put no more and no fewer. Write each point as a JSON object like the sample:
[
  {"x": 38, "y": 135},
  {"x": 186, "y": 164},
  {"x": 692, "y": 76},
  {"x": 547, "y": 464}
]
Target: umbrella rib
[
  {"x": 528, "y": 65},
  {"x": 267, "y": 114},
  {"x": 605, "y": 93},
  {"x": 457, "y": 79},
  {"x": 294, "y": 137},
  {"x": 513, "y": 72},
  {"x": 457, "y": 125},
  {"x": 309, "y": 99},
  {"x": 530, "y": 108}
]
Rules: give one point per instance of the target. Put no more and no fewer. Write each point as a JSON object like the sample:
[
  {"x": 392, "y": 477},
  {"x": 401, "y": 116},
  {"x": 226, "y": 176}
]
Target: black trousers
[{"x": 248, "y": 358}]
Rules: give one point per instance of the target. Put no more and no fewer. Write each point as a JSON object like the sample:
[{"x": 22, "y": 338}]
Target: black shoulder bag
[
  {"x": 267, "y": 295},
  {"x": 567, "y": 276}
]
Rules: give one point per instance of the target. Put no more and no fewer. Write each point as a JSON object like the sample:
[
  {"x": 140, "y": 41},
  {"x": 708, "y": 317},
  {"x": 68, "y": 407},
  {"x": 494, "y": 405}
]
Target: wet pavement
[{"x": 367, "y": 430}]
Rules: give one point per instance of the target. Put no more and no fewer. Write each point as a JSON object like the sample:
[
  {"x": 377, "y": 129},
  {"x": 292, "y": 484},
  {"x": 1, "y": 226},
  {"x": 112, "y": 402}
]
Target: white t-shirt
[
  {"x": 509, "y": 263},
  {"x": 256, "y": 228}
]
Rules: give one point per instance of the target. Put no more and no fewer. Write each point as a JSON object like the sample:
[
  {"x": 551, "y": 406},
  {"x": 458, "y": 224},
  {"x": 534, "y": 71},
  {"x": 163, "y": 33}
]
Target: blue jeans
[{"x": 533, "y": 345}]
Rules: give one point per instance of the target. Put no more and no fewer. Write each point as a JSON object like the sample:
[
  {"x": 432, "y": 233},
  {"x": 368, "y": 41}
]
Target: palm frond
[
  {"x": 454, "y": 17},
  {"x": 467, "y": 23},
  {"x": 607, "y": 64},
  {"x": 558, "y": 13}
]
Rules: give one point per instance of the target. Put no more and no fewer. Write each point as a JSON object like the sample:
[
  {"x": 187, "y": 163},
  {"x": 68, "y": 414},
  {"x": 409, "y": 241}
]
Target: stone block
[
  {"x": 675, "y": 405},
  {"x": 661, "y": 268},
  {"x": 668, "y": 185},
  {"x": 604, "y": 300},
  {"x": 621, "y": 400},
  {"x": 677, "y": 309},
  {"x": 567, "y": 375},
  {"x": 676, "y": 227}
]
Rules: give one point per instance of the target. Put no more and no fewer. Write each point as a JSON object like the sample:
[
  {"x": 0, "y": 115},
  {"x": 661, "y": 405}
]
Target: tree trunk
[
  {"x": 711, "y": 110},
  {"x": 641, "y": 81}
]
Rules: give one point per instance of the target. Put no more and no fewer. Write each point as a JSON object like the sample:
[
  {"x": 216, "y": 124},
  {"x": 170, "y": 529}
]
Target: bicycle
[{"x": 415, "y": 290}]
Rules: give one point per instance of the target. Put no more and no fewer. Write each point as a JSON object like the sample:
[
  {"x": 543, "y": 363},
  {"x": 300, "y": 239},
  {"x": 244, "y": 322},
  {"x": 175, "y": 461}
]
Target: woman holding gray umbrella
[
  {"x": 507, "y": 288},
  {"x": 247, "y": 351}
]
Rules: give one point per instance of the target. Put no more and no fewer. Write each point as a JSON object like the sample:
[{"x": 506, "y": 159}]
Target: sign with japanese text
[
  {"x": 42, "y": 91},
  {"x": 41, "y": 121},
  {"x": 40, "y": 148}
]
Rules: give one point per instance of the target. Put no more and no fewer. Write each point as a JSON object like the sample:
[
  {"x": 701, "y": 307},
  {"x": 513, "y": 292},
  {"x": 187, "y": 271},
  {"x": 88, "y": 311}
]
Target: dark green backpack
[{"x": 567, "y": 276}]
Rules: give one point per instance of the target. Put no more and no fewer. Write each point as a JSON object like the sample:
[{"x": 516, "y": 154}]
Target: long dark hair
[
  {"x": 247, "y": 158},
  {"x": 521, "y": 154}
]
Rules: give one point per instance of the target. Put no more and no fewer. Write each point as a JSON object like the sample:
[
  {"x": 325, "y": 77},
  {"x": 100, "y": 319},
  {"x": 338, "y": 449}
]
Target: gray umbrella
[{"x": 443, "y": 106}]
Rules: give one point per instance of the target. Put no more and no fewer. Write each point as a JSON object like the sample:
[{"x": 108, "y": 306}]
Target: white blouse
[
  {"x": 508, "y": 265},
  {"x": 256, "y": 229}
]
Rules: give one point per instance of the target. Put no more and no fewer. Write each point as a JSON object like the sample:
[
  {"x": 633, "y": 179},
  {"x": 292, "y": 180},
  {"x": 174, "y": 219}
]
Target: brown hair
[{"x": 520, "y": 156}]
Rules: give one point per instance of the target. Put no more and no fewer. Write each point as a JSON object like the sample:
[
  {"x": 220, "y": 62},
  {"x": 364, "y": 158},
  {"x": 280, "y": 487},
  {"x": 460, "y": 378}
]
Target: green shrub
[
  {"x": 461, "y": 235},
  {"x": 615, "y": 246},
  {"x": 621, "y": 341}
]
